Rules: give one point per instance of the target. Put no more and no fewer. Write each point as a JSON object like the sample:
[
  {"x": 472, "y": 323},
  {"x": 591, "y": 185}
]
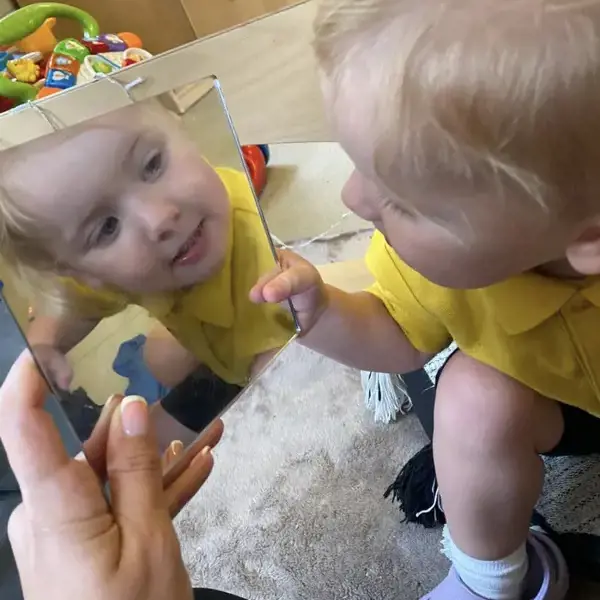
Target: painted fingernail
[
  {"x": 176, "y": 447},
  {"x": 110, "y": 400},
  {"x": 107, "y": 405},
  {"x": 134, "y": 416}
]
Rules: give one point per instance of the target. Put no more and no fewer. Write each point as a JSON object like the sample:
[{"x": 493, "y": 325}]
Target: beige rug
[{"x": 294, "y": 509}]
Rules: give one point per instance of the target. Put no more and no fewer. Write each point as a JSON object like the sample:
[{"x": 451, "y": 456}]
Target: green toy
[{"x": 25, "y": 21}]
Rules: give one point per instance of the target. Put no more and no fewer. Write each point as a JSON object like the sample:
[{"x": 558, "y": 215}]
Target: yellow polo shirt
[
  {"x": 215, "y": 319},
  {"x": 543, "y": 332}
]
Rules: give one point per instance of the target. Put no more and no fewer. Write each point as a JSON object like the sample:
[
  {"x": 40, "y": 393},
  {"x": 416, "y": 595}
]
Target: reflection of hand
[
  {"x": 297, "y": 280},
  {"x": 179, "y": 481},
  {"x": 54, "y": 364},
  {"x": 171, "y": 454},
  {"x": 68, "y": 543}
]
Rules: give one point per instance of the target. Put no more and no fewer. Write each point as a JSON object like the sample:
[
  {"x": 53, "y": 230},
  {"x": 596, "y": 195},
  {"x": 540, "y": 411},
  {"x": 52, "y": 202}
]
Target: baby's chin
[{"x": 200, "y": 273}]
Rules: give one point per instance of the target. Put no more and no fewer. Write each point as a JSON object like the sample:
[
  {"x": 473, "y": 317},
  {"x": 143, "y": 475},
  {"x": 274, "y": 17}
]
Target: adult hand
[
  {"x": 180, "y": 482},
  {"x": 68, "y": 542}
]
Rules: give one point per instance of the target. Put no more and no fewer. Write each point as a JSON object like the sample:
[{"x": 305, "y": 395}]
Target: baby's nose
[
  {"x": 356, "y": 195},
  {"x": 161, "y": 218}
]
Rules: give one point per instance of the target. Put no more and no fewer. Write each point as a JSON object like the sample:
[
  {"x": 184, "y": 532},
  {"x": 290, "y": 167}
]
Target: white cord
[{"x": 325, "y": 236}]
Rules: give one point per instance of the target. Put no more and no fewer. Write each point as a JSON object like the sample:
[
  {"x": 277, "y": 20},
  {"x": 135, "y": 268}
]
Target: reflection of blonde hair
[
  {"x": 23, "y": 240},
  {"x": 488, "y": 92}
]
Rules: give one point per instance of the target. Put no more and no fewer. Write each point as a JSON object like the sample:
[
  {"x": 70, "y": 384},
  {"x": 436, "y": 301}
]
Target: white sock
[{"x": 493, "y": 580}]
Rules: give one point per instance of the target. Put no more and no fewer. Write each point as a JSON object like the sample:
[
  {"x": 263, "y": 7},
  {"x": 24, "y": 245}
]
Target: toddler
[
  {"x": 474, "y": 126},
  {"x": 124, "y": 210}
]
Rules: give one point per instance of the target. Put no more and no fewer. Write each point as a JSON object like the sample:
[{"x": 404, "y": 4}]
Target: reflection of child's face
[{"x": 129, "y": 202}]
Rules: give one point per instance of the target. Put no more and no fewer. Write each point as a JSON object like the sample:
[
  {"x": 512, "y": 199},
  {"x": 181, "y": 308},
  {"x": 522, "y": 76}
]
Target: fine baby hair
[{"x": 500, "y": 95}]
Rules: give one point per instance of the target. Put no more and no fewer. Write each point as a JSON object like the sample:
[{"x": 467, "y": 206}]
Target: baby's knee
[{"x": 478, "y": 407}]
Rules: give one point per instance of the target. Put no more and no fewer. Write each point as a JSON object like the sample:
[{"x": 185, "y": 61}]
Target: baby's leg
[{"x": 489, "y": 432}]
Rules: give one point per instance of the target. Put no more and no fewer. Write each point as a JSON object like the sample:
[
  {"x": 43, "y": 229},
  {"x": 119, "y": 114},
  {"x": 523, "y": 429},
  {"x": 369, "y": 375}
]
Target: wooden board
[
  {"x": 208, "y": 17},
  {"x": 266, "y": 68}
]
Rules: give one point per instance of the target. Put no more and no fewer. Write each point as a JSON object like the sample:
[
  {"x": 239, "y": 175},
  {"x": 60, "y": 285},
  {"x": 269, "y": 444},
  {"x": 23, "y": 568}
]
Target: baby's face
[
  {"x": 465, "y": 239},
  {"x": 127, "y": 202}
]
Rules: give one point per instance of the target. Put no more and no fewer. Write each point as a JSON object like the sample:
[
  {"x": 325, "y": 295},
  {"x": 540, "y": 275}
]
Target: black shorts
[
  {"x": 199, "y": 399},
  {"x": 581, "y": 436},
  {"x": 205, "y": 594}
]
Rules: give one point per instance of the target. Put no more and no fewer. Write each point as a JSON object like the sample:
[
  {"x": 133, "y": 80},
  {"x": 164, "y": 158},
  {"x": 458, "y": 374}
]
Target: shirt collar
[{"x": 524, "y": 302}]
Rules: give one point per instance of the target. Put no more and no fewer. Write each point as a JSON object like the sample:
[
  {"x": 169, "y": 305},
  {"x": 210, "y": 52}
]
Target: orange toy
[
  {"x": 41, "y": 40},
  {"x": 131, "y": 39}
]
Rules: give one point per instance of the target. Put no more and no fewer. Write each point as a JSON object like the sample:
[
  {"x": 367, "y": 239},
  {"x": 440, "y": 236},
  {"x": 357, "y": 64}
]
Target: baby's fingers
[{"x": 256, "y": 293}]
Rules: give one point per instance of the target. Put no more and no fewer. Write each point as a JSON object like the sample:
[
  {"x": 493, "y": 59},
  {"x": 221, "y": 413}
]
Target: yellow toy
[{"x": 23, "y": 70}]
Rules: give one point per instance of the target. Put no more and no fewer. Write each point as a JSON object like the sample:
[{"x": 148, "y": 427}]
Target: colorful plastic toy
[
  {"x": 41, "y": 40},
  {"x": 24, "y": 70},
  {"x": 23, "y": 27},
  {"x": 57, "y": 64},
  {"x": 257, "y": 167}
]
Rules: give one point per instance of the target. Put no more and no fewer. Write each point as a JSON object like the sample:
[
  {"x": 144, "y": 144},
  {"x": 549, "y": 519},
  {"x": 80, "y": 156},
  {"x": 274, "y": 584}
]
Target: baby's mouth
[{"x": 193, "y": 249}]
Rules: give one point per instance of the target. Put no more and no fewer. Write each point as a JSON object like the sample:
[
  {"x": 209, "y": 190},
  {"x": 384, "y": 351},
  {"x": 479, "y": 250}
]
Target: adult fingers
[
  {"x": 32, "y": 442},
  {"x": 94, "y": 447},
  {"x": 134, "y": 466},
  {"x": 210, "y": 437},
  {"x": 185, "y": 487},
  {"x": 171, "y": 454}
]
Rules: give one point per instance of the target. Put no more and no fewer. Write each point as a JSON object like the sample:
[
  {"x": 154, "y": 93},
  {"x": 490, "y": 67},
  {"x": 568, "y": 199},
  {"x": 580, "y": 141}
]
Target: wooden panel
[
  {"x": 210, "y": 16},
  {"x": 267, "y": 71},
  {"x": 6, "y": 6},
  {"x": 162, "y": 24}
]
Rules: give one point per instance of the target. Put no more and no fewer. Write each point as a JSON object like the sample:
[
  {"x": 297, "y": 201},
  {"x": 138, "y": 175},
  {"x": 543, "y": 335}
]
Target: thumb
[{"x": 133, "y": 464}]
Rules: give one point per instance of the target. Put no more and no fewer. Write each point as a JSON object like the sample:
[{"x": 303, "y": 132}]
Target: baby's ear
[{"x": 584, "y": 253}]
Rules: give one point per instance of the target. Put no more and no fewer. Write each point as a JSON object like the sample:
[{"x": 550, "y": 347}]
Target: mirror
[{"x": 134, "y": 241}]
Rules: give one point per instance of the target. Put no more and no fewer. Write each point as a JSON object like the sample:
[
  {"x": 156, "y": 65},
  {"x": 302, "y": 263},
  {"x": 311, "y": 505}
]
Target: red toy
[{"x": 257, "y": 167}]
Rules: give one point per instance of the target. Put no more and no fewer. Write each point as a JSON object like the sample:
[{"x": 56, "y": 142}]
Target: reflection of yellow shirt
[
  {"x": 541, "y": 331},
  {"x": 215, "y": 319}
]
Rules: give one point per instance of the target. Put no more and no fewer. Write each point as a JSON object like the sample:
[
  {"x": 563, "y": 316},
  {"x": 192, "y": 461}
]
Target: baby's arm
[
  {"x": 62, "y": 333},
  {"x": 51, "y": 338},
  {"x": 355, "y": 329}
]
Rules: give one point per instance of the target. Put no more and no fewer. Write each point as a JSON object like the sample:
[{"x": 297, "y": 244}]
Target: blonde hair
[{"x": 488, "y": 92}]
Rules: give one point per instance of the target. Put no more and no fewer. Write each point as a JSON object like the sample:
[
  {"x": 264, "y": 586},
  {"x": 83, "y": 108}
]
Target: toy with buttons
[{"x": 34, "y": 64}]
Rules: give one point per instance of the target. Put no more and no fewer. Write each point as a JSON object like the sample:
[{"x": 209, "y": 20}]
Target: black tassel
[{"x": 415, "y": 489}]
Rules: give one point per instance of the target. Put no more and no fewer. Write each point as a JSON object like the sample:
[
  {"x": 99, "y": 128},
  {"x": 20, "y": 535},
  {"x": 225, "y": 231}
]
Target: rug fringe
[
  {"x": 386, "y": 395},
  {"x": 417, "y": 492}
]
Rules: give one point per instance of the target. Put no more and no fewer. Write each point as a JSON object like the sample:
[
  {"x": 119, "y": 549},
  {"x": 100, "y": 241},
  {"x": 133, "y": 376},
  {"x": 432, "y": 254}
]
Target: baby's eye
[
  {"x": 153, "y": 167},
  {"x": 109, "y": 230}
]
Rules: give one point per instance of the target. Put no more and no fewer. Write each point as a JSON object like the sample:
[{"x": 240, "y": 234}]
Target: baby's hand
[
  {"x": 54, "y": 365},
  {"x": 297, "y": 280}
]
